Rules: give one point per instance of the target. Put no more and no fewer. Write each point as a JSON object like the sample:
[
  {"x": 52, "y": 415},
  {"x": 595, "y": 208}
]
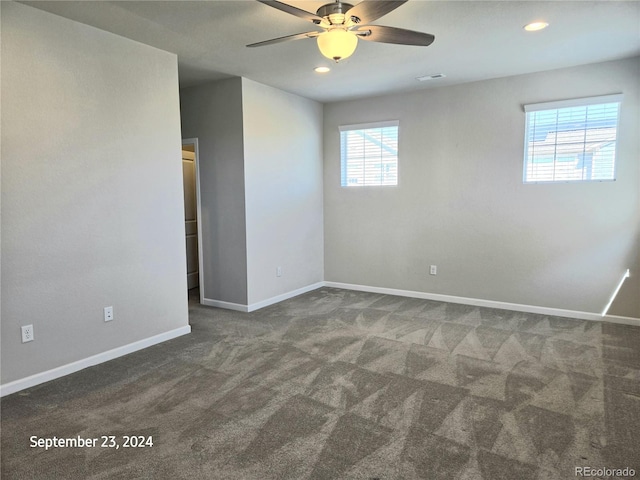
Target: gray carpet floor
[{"x": 336, "y": 384}]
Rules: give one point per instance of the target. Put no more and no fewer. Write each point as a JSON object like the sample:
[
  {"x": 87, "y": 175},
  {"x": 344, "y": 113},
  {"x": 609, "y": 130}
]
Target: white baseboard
[
  {"x": 488, "y": 303},
  {"x": 284, "y": 296},
  {"x": 239, "y": 307},
  {"x": 73, "y": 367},
  {"x": 63, "y": 370},
  {"x": 621, "y": 320}
]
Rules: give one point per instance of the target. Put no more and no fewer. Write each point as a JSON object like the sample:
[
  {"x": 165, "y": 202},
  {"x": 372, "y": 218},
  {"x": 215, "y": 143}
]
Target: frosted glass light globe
[{"x": 337, "y": 44}]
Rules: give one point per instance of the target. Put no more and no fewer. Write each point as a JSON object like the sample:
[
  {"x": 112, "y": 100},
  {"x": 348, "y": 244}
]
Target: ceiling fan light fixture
[
  {"x": 337, "y": 44},
  {"x": 322, "y": 69}
]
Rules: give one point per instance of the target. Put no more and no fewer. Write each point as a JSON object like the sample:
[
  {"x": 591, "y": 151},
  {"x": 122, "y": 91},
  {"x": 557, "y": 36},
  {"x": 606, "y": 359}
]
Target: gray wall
[
  {"x": 461, "y": 204},
  {"x": 260, "y": 154},
  {"x": 283, "y": 190},
  {"x": 213, "y": 114},
  {"x": 92, "y": 209}
]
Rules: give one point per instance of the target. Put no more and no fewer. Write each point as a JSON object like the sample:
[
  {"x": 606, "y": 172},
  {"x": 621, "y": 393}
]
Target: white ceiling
[{"x": 475, "y": 40}]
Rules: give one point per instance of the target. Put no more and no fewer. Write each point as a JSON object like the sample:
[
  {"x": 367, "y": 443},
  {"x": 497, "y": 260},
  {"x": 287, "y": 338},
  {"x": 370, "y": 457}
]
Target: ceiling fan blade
[
  {"x": 312, "y": 17},
  {"x": 286, "y": 39},
  {"x": 370, "y": 10},
  {"x": 379, "y": 33}
]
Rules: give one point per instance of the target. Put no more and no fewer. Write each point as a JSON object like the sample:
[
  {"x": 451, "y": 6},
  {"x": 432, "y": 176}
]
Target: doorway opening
[{"x": 192, "y": 216}]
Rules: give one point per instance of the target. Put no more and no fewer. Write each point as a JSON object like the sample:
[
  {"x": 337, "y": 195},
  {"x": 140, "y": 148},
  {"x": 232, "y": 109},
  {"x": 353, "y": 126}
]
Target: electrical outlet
[
  {"x": 27, "y": 333},
  {"x": 433, "y": 270},
  {"x": 108, "y": 314},
  {"x": 278, "y": 271}
]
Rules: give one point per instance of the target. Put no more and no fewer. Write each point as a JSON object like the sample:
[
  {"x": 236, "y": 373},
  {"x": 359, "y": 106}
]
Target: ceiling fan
[{"x": 343, "y": 24}]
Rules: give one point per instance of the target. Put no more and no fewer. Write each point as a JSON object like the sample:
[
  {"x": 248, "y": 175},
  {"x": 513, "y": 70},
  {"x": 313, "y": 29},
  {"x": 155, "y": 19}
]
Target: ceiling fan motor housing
[{"x": 336, "y": 11}]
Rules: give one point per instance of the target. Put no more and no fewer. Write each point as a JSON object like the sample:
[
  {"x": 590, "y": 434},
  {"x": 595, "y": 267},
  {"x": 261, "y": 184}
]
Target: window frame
[
  {"x": 363, "y": 127},
  {"x": 561, "y": 104}
]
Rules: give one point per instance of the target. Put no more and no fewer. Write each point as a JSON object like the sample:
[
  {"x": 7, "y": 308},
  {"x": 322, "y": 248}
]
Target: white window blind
[
  {"x": 572, "y": 140},
  {"x": 369, "y": 154}
]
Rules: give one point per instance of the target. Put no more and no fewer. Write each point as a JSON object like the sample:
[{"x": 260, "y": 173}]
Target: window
[
  {"x": 572, "y": 140},
  {"x": 369, "y": 154}
]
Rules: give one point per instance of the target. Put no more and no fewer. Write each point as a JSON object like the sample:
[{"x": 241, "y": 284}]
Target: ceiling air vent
[{"x": 430, "y": 77}]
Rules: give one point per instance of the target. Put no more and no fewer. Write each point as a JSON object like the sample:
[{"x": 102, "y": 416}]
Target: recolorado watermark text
[{"x": 605, "y": 472}]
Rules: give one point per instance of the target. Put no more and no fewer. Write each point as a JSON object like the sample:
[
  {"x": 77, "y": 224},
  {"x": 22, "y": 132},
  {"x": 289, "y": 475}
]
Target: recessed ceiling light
[
  {"x": 322, "y": 69},
  {"x": 535, "y": 26},
  {"x": 430, "y": 77}
]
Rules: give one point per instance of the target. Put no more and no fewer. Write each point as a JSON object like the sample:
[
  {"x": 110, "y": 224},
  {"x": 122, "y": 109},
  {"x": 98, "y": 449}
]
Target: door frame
[{"x": 194, "y": 142}]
